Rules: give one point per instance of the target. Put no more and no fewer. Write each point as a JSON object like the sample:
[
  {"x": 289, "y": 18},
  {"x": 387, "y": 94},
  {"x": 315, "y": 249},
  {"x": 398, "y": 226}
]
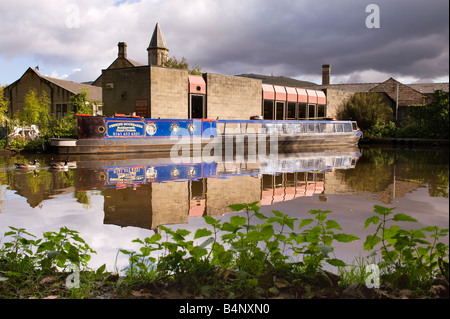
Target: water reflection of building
[{"x": 150, "y": 193}]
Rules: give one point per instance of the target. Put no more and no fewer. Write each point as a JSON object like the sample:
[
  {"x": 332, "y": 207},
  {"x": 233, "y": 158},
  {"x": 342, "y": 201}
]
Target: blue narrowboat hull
[{"x": 102, "y": 135}]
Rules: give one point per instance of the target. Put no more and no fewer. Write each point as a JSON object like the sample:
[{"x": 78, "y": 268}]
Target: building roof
[
  {"x": 157, "y": 40},
  {"x": 429, "y": 87},
  {"x": 95, "y": 93},
  {"x": 279, "y": 80}
]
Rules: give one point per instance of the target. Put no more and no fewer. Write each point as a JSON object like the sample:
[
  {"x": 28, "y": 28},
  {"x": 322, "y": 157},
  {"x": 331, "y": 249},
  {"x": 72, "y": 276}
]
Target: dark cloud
[{"x": 283, "y": 37}]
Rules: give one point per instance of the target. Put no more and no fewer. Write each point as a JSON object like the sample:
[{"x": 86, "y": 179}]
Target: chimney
[
  {"x": 326, "y": 71},
  {"x": 122, "y": 50}
]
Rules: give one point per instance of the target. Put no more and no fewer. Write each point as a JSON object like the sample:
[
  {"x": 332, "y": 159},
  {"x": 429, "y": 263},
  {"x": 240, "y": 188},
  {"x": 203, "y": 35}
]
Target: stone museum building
[{"x": 160, "y": 92}]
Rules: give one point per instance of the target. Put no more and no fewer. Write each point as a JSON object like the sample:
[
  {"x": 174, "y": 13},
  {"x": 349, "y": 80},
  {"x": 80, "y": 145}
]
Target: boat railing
[{"x": 226, "y": 127}]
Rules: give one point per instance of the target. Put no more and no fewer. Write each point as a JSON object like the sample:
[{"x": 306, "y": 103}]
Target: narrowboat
[{"x": 123, "y": 134}]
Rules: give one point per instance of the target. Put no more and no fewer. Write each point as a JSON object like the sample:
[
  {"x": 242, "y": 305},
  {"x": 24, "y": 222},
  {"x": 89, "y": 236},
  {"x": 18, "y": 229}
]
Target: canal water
[{"x": 112, "y": 200}]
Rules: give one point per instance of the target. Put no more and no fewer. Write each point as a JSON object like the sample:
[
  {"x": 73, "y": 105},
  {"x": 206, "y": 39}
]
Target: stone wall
[
  {"x": 232, "y": 97},
  {"x": 122, "y": 87},
  {"x": 336, "y": 100},
  {"x": 169, "y": 93}
]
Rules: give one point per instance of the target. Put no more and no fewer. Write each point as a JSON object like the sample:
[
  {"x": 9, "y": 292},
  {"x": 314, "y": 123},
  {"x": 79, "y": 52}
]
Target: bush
[{"x": 371, "y": 113}]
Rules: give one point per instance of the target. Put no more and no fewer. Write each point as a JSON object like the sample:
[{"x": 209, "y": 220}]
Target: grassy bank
[{"x": 255, "y": 256}]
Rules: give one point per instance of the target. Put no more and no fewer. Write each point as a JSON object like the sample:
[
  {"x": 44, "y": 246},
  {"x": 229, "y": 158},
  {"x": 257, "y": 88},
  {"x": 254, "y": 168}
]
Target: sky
[{"x": 362, "y": 40}]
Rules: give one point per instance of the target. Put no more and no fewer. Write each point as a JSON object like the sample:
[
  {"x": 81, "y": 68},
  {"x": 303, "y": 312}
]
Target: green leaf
[
  {"x": 403, "y": 218},
  {"x": 381, "y": 210},
  {"x": 332, "y": 224},
  {"x": 210, "y": 220},
  {"x": 371, "y": 242},
  {"x": 207, "y": 242},
  {"x": 237, "y": 220},
  {"x": 374, "y": 220},
  {"x": 155, "y": 238},
  {"x": 345, "y": 238},
  {"x": 336, "y": 262},
  {"x": 202, "y": 232},
  {"x": 237, "y": 207},
  {"x": 101, "y": 269},
  {"x": 305, "y": 222}
]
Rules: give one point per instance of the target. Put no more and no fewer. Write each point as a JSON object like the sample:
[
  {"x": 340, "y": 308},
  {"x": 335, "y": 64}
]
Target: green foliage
[
  {"x": 371, "y": 113},
  {"x": 36, "y": 109},
  {"x": 56, "y": 250},
  {"x": 250, "y": 246},
  {"x": 318, "y": 240},
  {"x": 238, "y": 258},
  {"x": 406, "y": 253},
  {"x": 80, "y": 103},
  {"x": 4, "y": 102},
  {"x": 429, "y": 121},
  {"x": 173, "y": 62}
]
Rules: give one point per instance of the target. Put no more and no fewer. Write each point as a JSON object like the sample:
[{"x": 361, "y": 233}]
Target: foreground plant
[
  {"x": 28, "y": 261},
  {"x": 408, "y": 259}
]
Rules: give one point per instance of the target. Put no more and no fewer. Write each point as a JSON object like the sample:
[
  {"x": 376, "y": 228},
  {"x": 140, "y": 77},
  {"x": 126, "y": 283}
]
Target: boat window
[
  {"x": 354, "y": 126},
  {"x": 311, "y": 127},
  {"x": 339, "y": 128},
  {"x": 329, "y": 128},
  {"x": 347, "y": 127},
  {"x": 322, "y": 127}
]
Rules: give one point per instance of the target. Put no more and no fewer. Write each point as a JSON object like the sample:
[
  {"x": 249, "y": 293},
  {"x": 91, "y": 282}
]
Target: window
[
  {"x": 290, "y": 114},
  {"x": 61, "y": 110},
  {"x": 312, "y": 111},
  {"x": 347, "y": 127},
  {"x": 301, "y": 111},
  {"x": 320, "y": 111},
  {"x": 280, "y": 111},
  {"x": 268, "y": 110}
]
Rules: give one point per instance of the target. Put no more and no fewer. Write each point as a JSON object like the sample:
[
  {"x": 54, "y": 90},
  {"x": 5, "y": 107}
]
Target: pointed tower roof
[{"x": 157, "y": 40}]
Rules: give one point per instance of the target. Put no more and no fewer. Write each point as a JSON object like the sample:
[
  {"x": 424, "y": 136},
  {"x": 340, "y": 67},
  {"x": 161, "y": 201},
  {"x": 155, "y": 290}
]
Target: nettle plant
[
  {"x": 25, "y": 253},
  {"x": 407, "y": 252},
  {"x": 249, "y": 245}
]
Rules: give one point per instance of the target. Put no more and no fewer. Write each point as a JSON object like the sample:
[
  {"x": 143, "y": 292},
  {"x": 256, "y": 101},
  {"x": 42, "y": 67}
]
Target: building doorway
[{"x": 198, "y": 110}]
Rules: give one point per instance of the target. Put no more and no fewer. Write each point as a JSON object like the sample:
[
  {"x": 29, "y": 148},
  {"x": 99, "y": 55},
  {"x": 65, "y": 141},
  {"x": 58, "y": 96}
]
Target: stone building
[
  {"x": 58, "y": 91},
  {"x": 156, "y": 91},
  {"x": 396, "y": 94}
]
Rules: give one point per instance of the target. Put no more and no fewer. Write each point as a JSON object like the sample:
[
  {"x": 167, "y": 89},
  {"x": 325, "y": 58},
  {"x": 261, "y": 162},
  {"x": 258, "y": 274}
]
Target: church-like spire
[{"x": 157, "y": 49}]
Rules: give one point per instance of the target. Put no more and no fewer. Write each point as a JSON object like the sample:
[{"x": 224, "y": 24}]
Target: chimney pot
[
  {"x": 326, "y": 72},
  {"x": 122, "y": 50}
]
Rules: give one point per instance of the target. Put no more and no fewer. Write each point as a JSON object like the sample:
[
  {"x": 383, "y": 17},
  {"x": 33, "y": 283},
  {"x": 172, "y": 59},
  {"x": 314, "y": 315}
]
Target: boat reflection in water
[{"x": 148, "y": 192}]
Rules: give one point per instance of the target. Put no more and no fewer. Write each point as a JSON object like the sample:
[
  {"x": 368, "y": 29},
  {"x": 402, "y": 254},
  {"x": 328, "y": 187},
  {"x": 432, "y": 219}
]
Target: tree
[
  {"x": 80, "y": 103},
  {"x": 36, "y": 109},
  {"x": 429, "y": 121},
  {"x": 371, "y": 113},
  {"x": 3, "y": 102},
  {"x": 173, "y": 62}
]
